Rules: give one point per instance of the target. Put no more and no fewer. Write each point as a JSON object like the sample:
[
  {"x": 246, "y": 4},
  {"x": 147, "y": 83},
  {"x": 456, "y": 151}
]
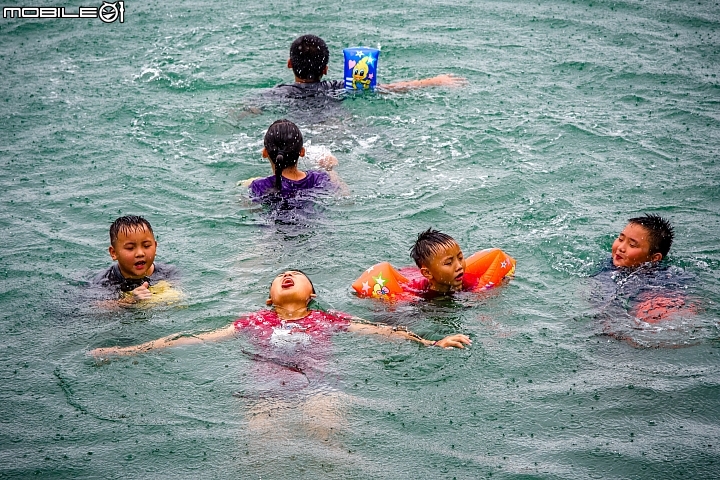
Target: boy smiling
[
  {"x": 640, "y": 285},
  {"x": 643, "y": 240}
]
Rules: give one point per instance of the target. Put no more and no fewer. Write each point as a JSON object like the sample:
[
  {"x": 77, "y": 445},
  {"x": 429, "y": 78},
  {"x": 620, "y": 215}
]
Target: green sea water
[{"x": 577, "y": 115}]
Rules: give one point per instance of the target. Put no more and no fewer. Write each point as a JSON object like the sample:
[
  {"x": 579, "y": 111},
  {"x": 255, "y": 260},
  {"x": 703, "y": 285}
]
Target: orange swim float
[
  {"x": 656, "y": 309},
  {"x": 483, "y": 270}
]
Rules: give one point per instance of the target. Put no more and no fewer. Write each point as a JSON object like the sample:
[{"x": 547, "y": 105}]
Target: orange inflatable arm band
[
  {"x": 656, "y": 309},
  {"x": 483, "y": 270},
  {"x": 380, "y": 280},
  {"x": 487, "y": 268}
]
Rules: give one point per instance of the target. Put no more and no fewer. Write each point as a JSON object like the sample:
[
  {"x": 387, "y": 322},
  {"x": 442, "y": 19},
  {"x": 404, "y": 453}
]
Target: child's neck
[
  {"x": 293, "y": 173},
  {"x": 302, "y": 80},
  {"x": 441, "y": 289},
  {"x": 291, "y": 311}
]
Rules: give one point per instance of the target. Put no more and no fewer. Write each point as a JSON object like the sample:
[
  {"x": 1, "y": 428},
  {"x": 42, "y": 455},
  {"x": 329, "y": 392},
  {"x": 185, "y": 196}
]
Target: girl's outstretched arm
[
  {"x": 173, "y": 340},
  {"x": 361, "y": 326}
]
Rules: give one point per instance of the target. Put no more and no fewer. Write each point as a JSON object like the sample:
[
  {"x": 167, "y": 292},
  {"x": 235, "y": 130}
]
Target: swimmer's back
[
  {"x": 308, "y": 90},
  {"x": 314, "y": 179}
]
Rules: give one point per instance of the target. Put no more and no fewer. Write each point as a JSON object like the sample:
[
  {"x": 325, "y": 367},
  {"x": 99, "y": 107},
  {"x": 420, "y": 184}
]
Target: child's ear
[
  {"x": 302, "y": 152},
  {"x": 289, "y": 63},
  {"x": 312, "y": 297},
  {"x": 426, "y": 273},
  {"x": 656, "y": 257},
  {"x": 111, "y": 251},
  {"x": 268, "y": 302},
  {"x": 325, "y": 70},
  {"x": 265, "y": 153}
]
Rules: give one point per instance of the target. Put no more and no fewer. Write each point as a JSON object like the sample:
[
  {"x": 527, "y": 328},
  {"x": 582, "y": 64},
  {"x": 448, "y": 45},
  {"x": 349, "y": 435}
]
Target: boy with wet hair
[
  {"x": 644, "y": 239},
  {"x": 638, "y": 284},
  {"x": 309, "y": 56},
  {"x": 440, "y": 260},
  {"x": 133, "y": 247},
  {"x": 442, "y": 269}
]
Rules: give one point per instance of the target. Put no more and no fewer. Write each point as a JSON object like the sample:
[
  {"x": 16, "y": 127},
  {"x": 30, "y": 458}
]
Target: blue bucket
[{"x": 361, "y": 68}]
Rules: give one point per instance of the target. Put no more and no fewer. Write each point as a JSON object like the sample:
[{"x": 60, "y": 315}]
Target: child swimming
[
  {"x": 440, "y": 260},
  {"x": 636, "y": 285},
  {"x": 283, "y": 147},
  {"x": 643, "y": 240},
  {"x": 442, "y": 270},
  {"x": 309, "y": 57},
  {"x": 288, "y": 386},
  {"x": 655, "y": 292},
  {"x": 135, "y": 275},
  {"x": 290, "y": 325}
]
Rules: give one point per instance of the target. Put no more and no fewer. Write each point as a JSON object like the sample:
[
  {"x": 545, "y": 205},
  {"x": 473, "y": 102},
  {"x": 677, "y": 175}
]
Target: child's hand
[
  {"x": 454, "y": 341},
  {"x": 142, "y": 292},
  {"x": 246, "y": 183},
  {"x": 328, "y": 162}
]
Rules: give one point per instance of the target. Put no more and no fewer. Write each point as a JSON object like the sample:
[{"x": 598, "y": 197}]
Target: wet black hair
[
  {"x": 127, "y": 224},
  {"x": 660, "y": 232},
  {"x": 283, "y": 142},
  {"x": 429, "y": 243},
  {"x": 309, "y": 56}
]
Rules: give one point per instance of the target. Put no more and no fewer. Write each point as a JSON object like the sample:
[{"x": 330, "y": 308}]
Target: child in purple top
[
  {"x": 313, "y": 179},
  {"x": 283, "y": 148}
]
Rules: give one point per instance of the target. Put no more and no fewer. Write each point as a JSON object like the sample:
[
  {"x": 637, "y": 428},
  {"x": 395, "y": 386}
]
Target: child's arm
[
  {"x": 361, "y": 326},
  {"x": 247, "y": 182},
  {"x": 439, "y": 81},
  {"x": 173, "y": 340},
  {"x": 328, "y": 162}
]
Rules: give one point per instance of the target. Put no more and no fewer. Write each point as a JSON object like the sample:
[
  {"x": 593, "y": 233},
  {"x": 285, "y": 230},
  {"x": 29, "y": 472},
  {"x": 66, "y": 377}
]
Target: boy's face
[
  {"x": 134, "y": 251},
  {"x": 290, "y": 287},
  {"x": 444, "y": 269},
  {"x": 632, "y": 247}
]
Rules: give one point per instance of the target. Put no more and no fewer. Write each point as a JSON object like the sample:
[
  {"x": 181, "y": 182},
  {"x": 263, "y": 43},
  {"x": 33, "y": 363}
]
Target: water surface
[{"x": 577, "y": 116}]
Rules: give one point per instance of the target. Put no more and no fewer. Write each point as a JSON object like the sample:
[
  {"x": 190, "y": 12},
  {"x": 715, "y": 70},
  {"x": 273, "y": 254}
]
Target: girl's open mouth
[{"x": 288, "y": 282}]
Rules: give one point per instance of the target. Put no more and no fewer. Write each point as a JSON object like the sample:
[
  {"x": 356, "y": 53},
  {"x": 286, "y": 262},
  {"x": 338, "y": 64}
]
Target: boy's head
[
  {"x": 440, "y": 260},
  {"x": 291, "y": 286},
  {"x": 644, "y": 239},
  {"x": 309, "y": 56},
  {"x": 133, "y": 245}
]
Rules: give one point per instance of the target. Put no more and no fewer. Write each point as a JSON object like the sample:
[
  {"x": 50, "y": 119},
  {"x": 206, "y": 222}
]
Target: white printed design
[{"x": 289, "y": 336}]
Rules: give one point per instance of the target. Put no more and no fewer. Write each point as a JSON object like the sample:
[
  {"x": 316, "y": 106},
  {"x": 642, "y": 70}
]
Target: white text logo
[{"x": 108, "y": 12}]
